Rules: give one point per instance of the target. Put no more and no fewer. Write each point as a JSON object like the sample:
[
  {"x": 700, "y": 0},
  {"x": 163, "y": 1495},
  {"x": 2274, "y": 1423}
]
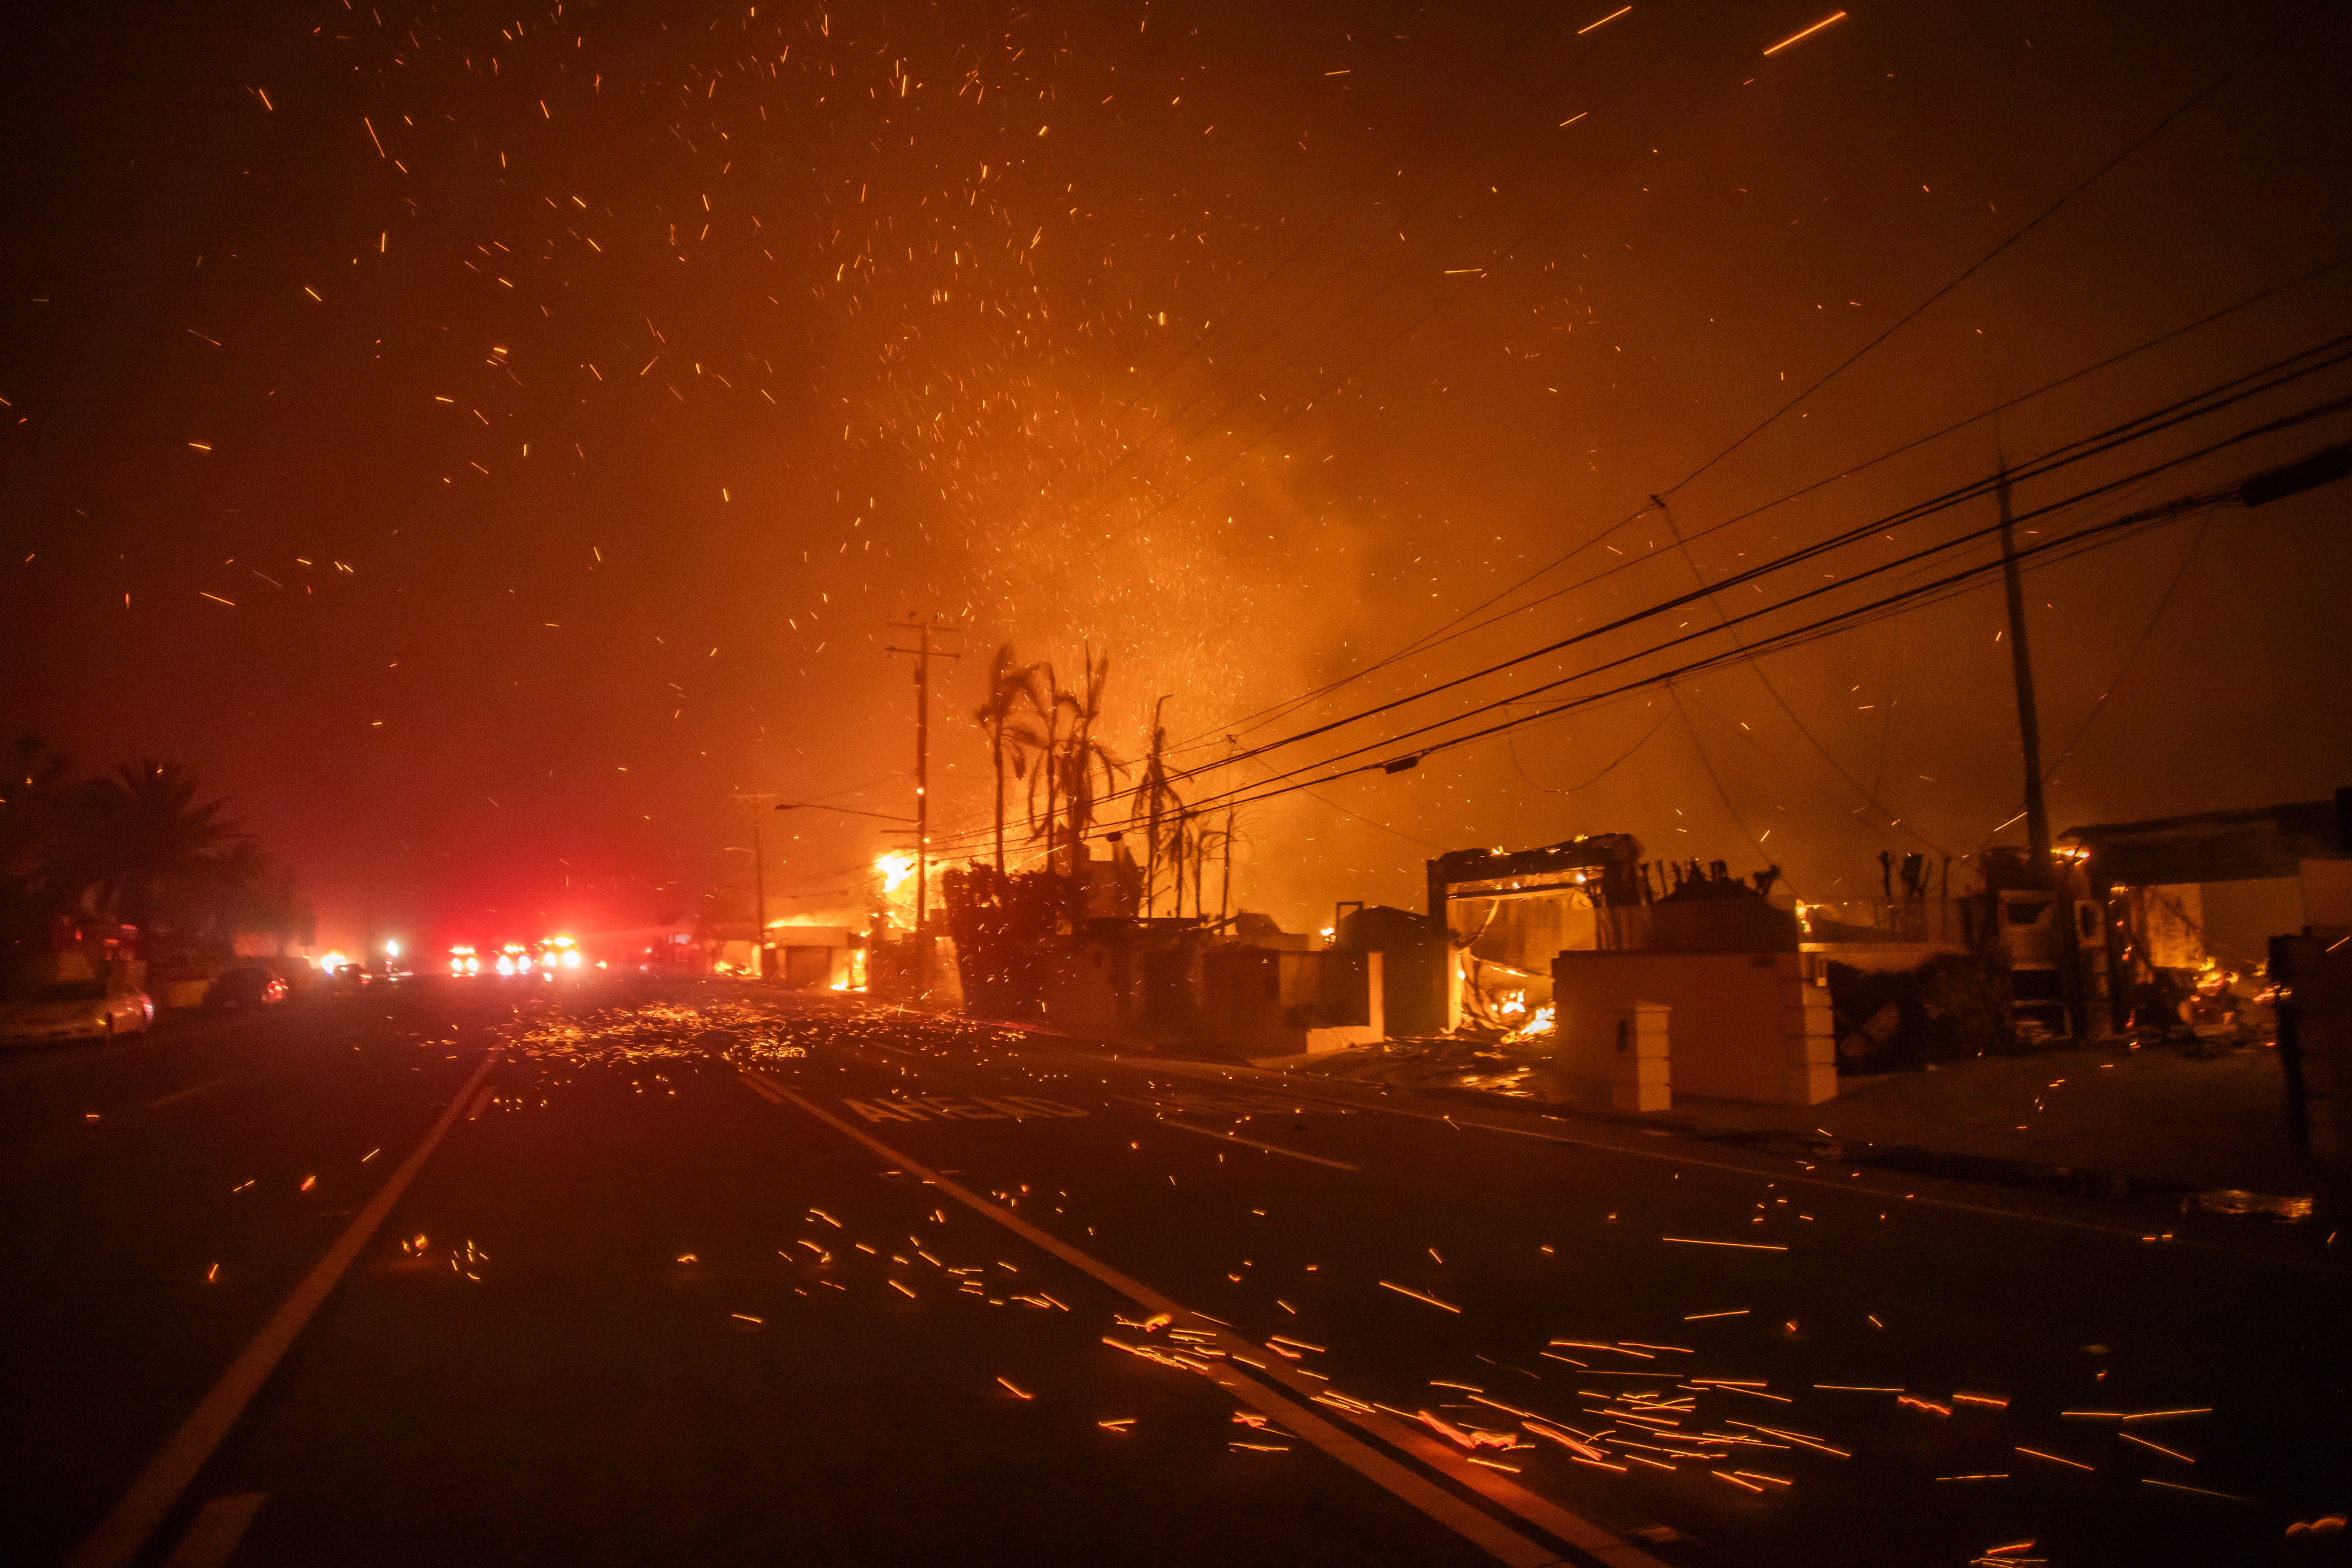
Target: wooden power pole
[
  {"x": 2046, "y": 870},
  {"x": 755, "y": 800},
  {"x": 923, "y": 654},
  {"x": 2020, "y": 662}
]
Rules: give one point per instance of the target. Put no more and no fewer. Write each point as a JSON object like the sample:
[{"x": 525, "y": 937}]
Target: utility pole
[
  {"x": 2020, "y": 661},
  {"x": 923, "y": 654},
  {"x": 759, "y": 885},
  {"x": 2046, "y": 871},
  {"x": 759, "y": 904},
  {"x": 1225, "y": 892}
]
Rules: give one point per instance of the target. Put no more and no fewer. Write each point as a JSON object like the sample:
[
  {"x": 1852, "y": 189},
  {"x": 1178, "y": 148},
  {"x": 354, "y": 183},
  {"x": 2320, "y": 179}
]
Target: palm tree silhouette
[
  {"x": 143, "y": 843},
  {"x": 1011, "y": 688}
]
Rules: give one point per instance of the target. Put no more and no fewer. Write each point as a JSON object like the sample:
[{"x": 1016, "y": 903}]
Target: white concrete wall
[
  {"x": 1751, "y": 1026},
  {"x": 1622, "y": 1058}
]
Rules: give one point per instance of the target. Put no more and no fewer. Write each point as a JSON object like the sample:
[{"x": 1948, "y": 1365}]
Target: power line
[
  {"x": 2131, "y": 430},
  {"x": 1446, "y": 633},
  {"x": 1528, "y": 232},
  {"x": 1504, "y": 253},
  {"x": 2211, "y": 401},
  {"x": 1715, "y": 779},
  {"x": 2034, "y": 223},
  {"x": 2093, "y": 536},
  {"x": 2162, "y": 604}
]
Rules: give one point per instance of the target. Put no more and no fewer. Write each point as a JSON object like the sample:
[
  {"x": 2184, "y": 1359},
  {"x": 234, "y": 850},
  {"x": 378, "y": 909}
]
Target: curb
[{"x": 2125, "y": 1187}]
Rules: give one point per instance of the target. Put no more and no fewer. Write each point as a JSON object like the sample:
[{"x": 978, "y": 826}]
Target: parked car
[
  {"x": 349, "y": 976},
  {"x": 251, "y": 986},
  {"x": 76, "y": 1009}
]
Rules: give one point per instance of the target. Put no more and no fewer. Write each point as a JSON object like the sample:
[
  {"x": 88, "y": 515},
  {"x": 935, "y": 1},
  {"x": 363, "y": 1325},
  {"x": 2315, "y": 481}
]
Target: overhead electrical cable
[
  {"x": 2087, "y": 181},
  {"x": 2136, "y": 429},
  {"x": 1869, "y": 798},
  {"x": 1780, "y": 640},
  {"x": 1975, "y": 267},
  {"x": 1777, "y": 640},
  {"x": 1447, "y": 632},
  {"x": 2162, "y": 604},
  {"x": 2141, "y": 428},
  {"x": 2063, "y": 548},
  {"x": 1414, "y": 325}
]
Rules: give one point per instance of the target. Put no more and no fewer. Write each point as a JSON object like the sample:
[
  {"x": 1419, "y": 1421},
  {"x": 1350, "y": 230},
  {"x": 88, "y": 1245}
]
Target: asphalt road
[{"x": 687, "y": 1275}]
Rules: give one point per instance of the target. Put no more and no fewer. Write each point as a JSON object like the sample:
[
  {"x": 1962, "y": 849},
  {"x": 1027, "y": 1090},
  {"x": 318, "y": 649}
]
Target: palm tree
[
  {"x": 1076, "y": 769},
  {"x": 241, "y": 891},
  {"x": 35, "y": 883},
  {"x": 1011, "y": 686},
  {"x": 1043, "y": 695},
  {"x": 1084, "y": 759},
  {"x": 1161, "y": 810},
  {"x": 141, "y": 839}
]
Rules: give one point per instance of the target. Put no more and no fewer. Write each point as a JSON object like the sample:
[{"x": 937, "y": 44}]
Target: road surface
[{"x": 494, "y": 1272}]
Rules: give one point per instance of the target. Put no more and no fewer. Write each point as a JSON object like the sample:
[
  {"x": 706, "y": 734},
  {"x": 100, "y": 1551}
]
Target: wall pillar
[
  {"x": 1807, "y": 1031},
  {"x": 1641, "y": 1072}
]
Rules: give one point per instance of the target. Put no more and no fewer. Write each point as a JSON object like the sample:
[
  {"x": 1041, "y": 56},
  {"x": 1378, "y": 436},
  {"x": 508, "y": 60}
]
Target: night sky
[{"x": 482, "y": 442}]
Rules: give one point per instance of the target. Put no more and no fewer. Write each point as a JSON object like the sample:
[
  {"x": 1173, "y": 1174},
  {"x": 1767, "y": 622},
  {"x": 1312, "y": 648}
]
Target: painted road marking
[
  {"x": 1495, "y": 1538},
  {"x": 125, "y": 1532},
  {"x": 971, "y": 1108},
  {"x": 212, "y": 1537},
  {"x": 1229, "y": 1104},
  {"x": 182, "y": 1094},
  {"x": 1269, "y": 1148}
]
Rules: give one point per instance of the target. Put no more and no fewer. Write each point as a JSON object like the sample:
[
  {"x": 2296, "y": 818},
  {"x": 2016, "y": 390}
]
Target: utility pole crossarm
[{"x": 923, "y": 654}]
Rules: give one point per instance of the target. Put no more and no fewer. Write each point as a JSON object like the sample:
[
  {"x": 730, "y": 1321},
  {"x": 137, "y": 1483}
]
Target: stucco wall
[{"x": 1752, "y": 1026}]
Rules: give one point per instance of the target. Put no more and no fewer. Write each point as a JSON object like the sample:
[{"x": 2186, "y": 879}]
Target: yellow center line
[
  {"x": 124, "y": 1532},
  {"x": 216, "y": 1532},
  {"x": 1504, "y": 1543}
]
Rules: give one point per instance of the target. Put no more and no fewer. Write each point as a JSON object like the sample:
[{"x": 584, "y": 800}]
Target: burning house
[
  {"x": 2185, "y": 904},
  {"x": 1651, "y": 976}
]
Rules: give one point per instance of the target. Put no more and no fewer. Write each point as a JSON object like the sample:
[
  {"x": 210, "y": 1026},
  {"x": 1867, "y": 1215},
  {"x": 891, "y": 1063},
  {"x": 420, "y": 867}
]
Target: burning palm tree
[
  {"x": 1165, "y": 818},
  {"x": 1011, "y": 685},
  {"x": 1074, "y": 768}
]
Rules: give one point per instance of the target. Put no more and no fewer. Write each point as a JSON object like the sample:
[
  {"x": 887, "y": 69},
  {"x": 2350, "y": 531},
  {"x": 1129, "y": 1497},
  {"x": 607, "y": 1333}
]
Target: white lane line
[
  {"x": 182, "y": 1094},
  {"x": 213, "y": 1536},
  {"x": 125, "y": 1532},
  {"x": 1501, "y": 1542},
  {"x": 1269, "y": 1148}
]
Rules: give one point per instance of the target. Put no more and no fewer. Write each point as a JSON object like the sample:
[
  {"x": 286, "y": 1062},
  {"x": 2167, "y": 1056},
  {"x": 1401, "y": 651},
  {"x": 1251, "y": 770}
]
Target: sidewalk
[
  {"x": 2152, "y": 1126},
  {"x": 2174, "y": 1121}
]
